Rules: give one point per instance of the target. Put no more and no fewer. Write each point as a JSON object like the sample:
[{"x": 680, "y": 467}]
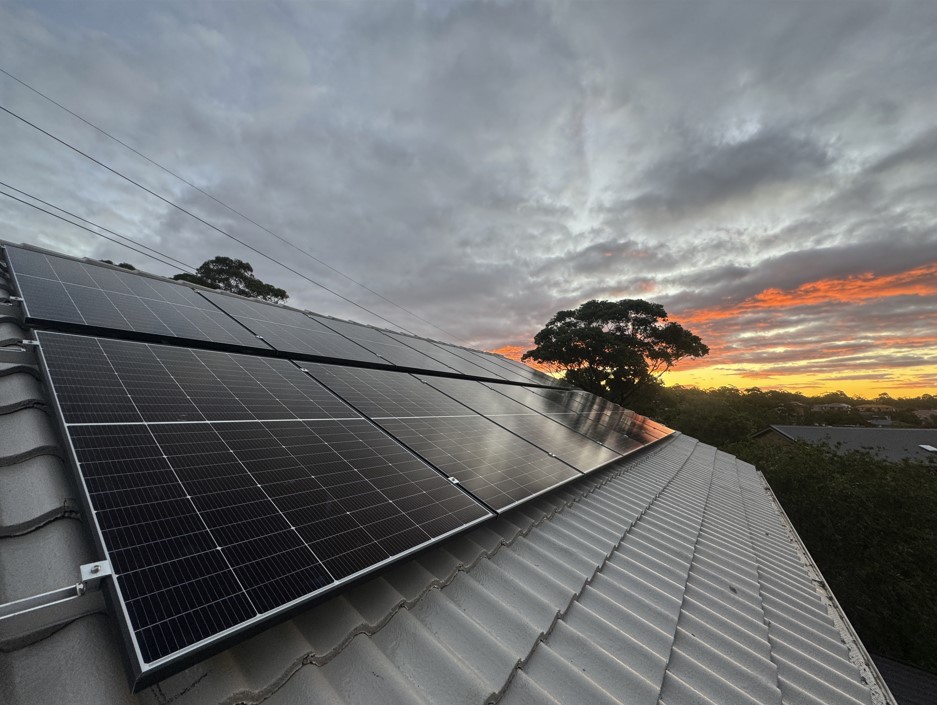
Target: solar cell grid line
[
  {"x": 493, "y": 464},
  {"x": 494, "y": 370},
  {"x": 606, "y": 413},
  {"x": 531, "y": 375},
  {"x": 386, "y": 393},
  {"x": 290, "y": 330},
  {"x": 385, "y": 347},
  {"x": 614, "y": 427},
  {"x": 448, "y": 358},
  {"x": 116, "y": 381},
  {"x": 578, "y": 450},
  {"x": 58, "y": 290},
  {"x": 214, "y": 526}
]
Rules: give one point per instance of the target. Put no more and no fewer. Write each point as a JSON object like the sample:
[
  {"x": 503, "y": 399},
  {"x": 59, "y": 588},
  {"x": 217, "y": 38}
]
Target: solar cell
[
  {"x": 494, "y": 370},
  {"x": 495, "y": 464},
  {"x": 445, "y": 356},
  {"x": 592, "y": 416},
  {"x": 384, "y": 346},
  {"x": 291, "y": 331},
  {"x": 58, "y": 290},
  {"x": 227, "y": 488},
  {"x": 584, "y": 454},
  {"x": 532, "y": 375}
]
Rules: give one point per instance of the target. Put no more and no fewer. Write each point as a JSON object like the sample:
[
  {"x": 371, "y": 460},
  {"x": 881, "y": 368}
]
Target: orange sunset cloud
[{"x": 863, "y": 334}]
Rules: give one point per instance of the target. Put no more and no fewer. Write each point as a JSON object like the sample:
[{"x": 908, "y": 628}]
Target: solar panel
[
  {"x": 529, "y": 373},
  {"x": 291, "y": 331},
  {"x": 445, "y": 356},
  {"x": 607, "y": 413},
  {"x": 227, "y": 489},
  {"x": 581, "y": 452},
  {"x": 57, "y": 290},
  {"x": 497, "y": 466},
  {"x": 595, "y": 417},
  {"x": 494, "y": 370},
  {"x": 493, "y": 464},
  {"x": 385, "y": 347}
]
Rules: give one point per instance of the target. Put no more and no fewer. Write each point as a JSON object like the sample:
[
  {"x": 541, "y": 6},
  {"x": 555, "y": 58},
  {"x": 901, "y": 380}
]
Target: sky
[{"x": 766, "y": 171}]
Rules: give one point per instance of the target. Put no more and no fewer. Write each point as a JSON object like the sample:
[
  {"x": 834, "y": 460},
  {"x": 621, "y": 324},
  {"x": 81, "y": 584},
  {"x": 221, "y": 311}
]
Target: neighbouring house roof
[
  {"x": 909, "y": 685},
  {"x": 672, "y": 576},
  {"x": 895, "y": 444}
]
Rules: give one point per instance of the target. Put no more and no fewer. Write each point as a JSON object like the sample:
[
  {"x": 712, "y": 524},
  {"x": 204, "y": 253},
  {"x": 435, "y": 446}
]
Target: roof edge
[{"x": 857, "y": 651}]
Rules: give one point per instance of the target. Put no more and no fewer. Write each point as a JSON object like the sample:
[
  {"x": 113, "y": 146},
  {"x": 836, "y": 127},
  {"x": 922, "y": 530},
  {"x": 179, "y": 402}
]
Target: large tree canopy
[
  {"x": 612, "y": 348},
  {"x": 234, "y": 275}
]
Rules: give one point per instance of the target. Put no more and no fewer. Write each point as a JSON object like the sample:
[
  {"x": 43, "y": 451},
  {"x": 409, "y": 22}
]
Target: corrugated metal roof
[{"x": 670, "y": 577}]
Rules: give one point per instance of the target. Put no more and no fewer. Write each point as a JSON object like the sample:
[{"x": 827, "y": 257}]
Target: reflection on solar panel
[
  {"x": 291, "y": 331},
  {"x": 529, "y": 373},
  {"x": 497, "y": 466},
  {"x": 581, "y": 452},
  {"x": 599, "y": 419},
  {"x": 64, "y": 291},
  {"x": 227, "y": 489},
  {"x": 385, "y": 347},
  {"x": 444, "y": 356},
  {"x": 494, "y": 370}
]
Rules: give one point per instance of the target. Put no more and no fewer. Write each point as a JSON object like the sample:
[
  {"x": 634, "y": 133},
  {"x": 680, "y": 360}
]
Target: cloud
[{"x": 485, "y": 164}]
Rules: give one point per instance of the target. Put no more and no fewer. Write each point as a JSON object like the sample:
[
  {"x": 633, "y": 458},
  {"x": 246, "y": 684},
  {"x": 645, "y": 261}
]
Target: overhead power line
[
  {"x": 200, "y": 219},
  {"x": 225, "y": 205},
  {"x": 179, "y": 263},
  {"x": 93, "y": 232}
]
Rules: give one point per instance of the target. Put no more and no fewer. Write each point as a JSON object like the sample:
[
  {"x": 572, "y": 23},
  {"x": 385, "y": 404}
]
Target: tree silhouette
[
  {"x": 235, "y": 276},
  {"x": 613, "y": 348}
]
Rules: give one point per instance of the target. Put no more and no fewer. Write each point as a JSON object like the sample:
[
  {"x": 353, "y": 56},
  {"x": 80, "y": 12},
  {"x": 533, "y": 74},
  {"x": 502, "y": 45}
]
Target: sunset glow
[{"x": 863, "y": 334}]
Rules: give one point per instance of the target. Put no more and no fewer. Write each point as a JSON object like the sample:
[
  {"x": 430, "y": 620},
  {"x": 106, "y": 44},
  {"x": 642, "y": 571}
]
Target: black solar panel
[
  {"x": 593, "y": 416},
  {"x": 291, "y": 331},
  {"x": 591, "y": 425},
  {"x": 493, "y": 464},
  {"x": 445, "y": 356},
  {"x": 581, "y": 452},
  {"x": 228, "y": 488},
  {"x": 493, "y": 370},
  {"x": 531, "y": 375},
  {"x": 58, "y": 290},
  {"x": 385, "y": 347},
  {"x": 498, "y": 466}
]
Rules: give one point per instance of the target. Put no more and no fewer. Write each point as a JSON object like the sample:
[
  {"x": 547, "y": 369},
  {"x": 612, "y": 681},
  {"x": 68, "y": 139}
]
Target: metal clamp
[
  {"x": 91, "y": 574},
  {"x": 24, "y": 620}
]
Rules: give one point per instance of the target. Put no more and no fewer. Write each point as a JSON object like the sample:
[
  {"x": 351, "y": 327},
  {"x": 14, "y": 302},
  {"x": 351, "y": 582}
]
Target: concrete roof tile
[
  {"x": 26, "y": 433},
  {"x": 34, "y": 492}
]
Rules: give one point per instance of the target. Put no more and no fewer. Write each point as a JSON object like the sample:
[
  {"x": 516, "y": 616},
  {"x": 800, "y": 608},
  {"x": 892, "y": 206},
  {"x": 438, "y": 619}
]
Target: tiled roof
[
  {"x": 895, "y": 444},
  {"x": 669, "y": 577}
]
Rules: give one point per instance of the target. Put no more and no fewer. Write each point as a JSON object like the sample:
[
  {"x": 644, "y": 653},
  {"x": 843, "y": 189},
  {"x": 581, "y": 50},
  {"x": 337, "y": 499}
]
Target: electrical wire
[
  {"x": 225, "y": 205},
  {"x": 93, "y": 232},
  {"x": 201, "y": 220},
  {"x": 107, "y": 230}
]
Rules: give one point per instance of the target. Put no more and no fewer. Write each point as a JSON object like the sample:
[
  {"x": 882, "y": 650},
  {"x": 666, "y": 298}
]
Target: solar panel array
[
  {"x": 60, "y": 291},
  {"x": 240, "y": 459}
]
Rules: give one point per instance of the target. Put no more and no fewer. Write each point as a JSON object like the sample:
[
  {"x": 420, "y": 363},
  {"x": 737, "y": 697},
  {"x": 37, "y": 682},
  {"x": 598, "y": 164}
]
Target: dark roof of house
[
  {"x": 895, "y": 444},
  {"x": 909, "y": 685},
  {"x": 671, "y": 576}
]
